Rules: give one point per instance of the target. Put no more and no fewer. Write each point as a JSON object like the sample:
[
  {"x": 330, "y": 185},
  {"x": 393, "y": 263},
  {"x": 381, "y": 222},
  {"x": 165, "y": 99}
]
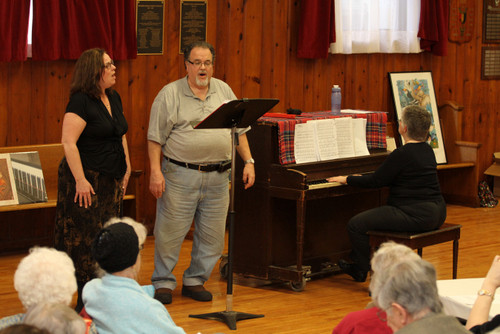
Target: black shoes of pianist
[{"x": 352, "y": 270}]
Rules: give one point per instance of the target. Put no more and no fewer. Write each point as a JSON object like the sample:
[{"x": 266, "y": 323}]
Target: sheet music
[
  {"x": 359, "y": 131},
  {"x": 329, "y": 139},
  {"x": 345, "y": 142},
  {"x": 326, "y": 139},
  {"x": 305, "y": 143}
]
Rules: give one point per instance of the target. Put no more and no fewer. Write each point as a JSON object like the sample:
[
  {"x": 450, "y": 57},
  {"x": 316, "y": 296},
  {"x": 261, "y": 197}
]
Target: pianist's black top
[
  {"x": 409, "y": 172},
  {"x": 100, "y": 144}
]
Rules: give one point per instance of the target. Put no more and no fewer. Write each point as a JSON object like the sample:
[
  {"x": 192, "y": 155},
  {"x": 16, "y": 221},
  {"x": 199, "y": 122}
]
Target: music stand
[{"x": 234, "y": 114}]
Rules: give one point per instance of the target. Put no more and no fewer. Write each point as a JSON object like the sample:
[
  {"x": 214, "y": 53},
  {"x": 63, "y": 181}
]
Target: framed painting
[
  {"x": 417, "y": 88},
  {"x": 8, "y": 194}
]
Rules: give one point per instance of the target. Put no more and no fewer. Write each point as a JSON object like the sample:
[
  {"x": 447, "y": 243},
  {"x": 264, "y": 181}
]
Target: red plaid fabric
[{"x": 376, "y": 129}]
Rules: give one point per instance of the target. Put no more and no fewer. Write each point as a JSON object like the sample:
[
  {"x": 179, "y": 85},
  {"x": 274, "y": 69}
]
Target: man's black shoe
[
  {"x": 164, "y": 295},
  {"x": 197, "y": 292},
  {"x": 352, "y": 270}
]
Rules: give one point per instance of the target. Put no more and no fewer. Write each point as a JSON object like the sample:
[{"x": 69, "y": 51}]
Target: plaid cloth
[{"x": 376, "y": 129}]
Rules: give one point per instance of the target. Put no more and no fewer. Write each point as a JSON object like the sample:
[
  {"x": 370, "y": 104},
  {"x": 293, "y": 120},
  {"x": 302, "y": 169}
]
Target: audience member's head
[
  {"x": 139, "y": 228},
  {"x": 408, "y": 292},
  {"x": 418, "y": 122},
  {"x": 45, "y": 275},
  {"x": 140, "y": 231},
  {"x": 55, "y": 318},
  {"x": 23, "y": 329},
  {"x": 387, "y": 255},
  {"x": 116, "y": 248}
]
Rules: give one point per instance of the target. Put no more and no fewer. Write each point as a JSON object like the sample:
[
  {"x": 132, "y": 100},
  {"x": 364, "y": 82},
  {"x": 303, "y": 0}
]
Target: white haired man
[
  {"x": 370, "y": 319},
  {"x": 408, "y": 294}
]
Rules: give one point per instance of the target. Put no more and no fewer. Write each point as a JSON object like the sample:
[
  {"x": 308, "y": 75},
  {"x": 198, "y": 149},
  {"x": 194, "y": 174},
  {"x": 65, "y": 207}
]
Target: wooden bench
[
  {"x": 459, "y": 178},
  {"x": 418, "y": 240},
  {"x": 25, "y": 225}
]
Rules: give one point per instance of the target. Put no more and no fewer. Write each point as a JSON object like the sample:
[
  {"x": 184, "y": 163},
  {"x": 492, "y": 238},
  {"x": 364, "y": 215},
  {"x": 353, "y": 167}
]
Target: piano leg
[{"x": 301, "y": 217}]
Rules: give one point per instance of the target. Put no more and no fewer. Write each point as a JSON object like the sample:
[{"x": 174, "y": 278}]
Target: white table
[{"x": 458, "y": 296}]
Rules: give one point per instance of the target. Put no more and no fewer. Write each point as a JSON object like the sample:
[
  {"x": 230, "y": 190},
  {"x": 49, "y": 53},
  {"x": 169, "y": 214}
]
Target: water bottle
[{"x": 336, "y": 99}]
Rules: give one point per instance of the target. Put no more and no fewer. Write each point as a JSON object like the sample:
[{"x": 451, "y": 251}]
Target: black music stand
[{"x": 234, "y": 114}]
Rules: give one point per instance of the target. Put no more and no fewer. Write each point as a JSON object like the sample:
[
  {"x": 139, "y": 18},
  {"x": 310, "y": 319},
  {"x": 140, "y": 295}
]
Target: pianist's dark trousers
[{"x": 417, "y": 217}]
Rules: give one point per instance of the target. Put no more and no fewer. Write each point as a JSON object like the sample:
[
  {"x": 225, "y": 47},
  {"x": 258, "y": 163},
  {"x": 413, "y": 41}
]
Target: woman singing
[{"x": 94, "y": 173}]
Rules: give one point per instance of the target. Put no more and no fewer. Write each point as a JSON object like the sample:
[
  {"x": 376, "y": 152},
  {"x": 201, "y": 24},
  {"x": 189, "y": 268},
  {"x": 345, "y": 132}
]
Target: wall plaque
[
  {"x": 491, "y": 21},
  {"x": 149, "y": 27},
  {"x": 461, "y": 25},
  {"x": 490, "y": 62},
  {"x": 193, "y": 25}
]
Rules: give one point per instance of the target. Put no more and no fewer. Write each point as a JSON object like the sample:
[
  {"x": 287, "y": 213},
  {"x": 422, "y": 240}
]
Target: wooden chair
[{"x": 418, "y": 240}]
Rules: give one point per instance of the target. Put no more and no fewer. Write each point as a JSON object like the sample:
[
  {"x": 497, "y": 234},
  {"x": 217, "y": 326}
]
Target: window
[{"x": 376, "y": 26}]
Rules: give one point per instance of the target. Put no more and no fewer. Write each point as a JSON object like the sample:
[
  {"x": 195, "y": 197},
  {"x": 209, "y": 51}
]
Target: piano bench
[{"x": 418, "y": 240}]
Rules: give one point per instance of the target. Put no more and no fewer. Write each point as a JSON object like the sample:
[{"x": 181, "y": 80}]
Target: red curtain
[
  {"x": 15, "y": 16},
  {"x": 316, "y": 29},
  {"x": 64, "y": 29},
  {"x": 433, "y": 27}
]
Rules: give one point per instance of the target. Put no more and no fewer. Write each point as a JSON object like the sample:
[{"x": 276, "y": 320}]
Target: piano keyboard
[{"x": 322, "y": 183}]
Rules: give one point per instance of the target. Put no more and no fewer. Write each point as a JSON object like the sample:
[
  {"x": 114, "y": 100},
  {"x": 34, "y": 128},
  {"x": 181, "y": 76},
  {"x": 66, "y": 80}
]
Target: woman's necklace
[{"x": 106, "y": 103}]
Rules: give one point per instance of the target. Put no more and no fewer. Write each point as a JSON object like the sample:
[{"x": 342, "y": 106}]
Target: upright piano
[{"x": 291, "y": 225}]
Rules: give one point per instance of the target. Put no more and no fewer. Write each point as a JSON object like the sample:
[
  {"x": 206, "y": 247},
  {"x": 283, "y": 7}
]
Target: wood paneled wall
[{"x": 256, "y": 54}]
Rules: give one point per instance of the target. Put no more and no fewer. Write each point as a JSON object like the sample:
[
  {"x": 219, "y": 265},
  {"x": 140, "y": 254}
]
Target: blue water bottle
[{"x": 336, "y": 99}]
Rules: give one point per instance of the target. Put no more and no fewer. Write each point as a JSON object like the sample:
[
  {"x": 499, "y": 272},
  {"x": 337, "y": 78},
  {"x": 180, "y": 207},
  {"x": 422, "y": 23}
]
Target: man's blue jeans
[{"x": 189, "y": 195}]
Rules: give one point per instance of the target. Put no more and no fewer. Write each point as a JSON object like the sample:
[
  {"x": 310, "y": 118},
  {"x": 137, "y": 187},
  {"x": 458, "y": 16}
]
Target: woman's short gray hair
[
  {"x": 418, "y": 121},
  {"x": 55, "y": 318},
  {"x": 45, "y": 275},
  {"x": 411, "y": 284},
  {"x": 388, "y": 255}
]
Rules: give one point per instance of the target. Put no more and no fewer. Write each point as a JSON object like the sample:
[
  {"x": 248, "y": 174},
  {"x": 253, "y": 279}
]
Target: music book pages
[{"x": 329, "y": 139}]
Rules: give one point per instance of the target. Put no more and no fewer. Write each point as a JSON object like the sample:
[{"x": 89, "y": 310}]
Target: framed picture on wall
[
  {"x": 8, "y": 194},
  {"x": 417, "y": 88}
]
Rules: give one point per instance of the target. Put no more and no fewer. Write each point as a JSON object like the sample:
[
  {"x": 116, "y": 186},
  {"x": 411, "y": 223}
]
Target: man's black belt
[{"x": 220, "y": 167}]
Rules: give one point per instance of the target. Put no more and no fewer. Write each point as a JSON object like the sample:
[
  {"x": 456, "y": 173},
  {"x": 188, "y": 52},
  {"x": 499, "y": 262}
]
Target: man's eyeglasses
[
  {"x": 382, "y": 315},
  {"x": 109, "y": 64},
  {"x": 198, "y": 63}
]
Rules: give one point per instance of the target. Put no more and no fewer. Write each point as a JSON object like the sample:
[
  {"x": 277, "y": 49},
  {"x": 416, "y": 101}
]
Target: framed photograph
[
  {"x": 8, "y": 193},
  {"x": 28, "y": 176},
  {"x": 417, "y": 88}
]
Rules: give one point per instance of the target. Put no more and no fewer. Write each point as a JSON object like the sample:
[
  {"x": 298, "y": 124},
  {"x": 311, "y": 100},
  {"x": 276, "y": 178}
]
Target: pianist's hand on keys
[{"x": 338, "y": 179}]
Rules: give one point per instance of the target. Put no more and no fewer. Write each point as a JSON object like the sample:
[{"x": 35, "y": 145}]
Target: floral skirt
[{"x": 75, "y": 226}]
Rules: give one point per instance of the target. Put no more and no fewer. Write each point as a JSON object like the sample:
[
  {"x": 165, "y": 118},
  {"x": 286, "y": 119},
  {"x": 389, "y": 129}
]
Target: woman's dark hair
[
  {"x": 199, "y": 44},
  {"x": 88, "y": 73}
]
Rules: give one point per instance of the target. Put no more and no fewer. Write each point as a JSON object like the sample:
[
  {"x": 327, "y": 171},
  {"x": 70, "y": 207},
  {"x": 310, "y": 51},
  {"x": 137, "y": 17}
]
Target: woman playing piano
[{"x": 415, "y": 203}]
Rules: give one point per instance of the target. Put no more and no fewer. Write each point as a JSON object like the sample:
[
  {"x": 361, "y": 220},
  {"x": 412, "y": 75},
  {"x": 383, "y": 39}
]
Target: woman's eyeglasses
[{"x": 109, "y": 64}]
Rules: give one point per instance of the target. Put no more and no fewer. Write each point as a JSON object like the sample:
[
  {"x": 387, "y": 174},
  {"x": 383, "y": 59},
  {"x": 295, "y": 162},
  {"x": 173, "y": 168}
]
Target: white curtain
[{"x": 376, "y": 26}]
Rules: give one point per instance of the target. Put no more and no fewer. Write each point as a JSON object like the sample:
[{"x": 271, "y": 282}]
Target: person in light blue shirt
[{"x": 116, "y": 302}]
